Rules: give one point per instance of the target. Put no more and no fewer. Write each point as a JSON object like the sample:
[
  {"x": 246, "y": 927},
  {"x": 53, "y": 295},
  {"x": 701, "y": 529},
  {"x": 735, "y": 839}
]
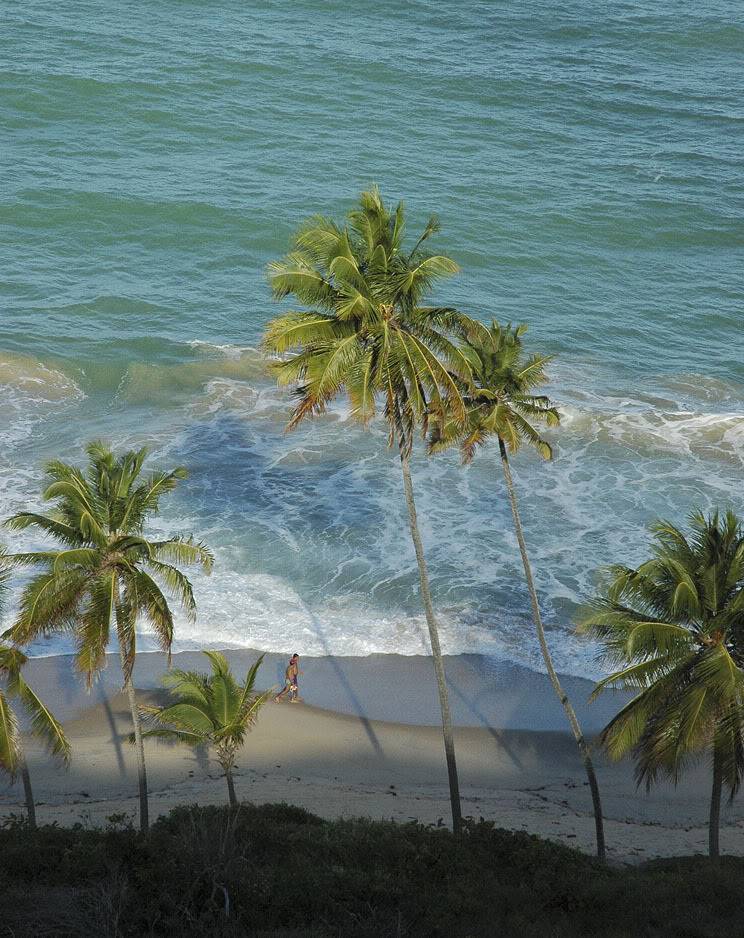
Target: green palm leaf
[
  {"x": 9, "y": 738},
  {"x": 208, "y": 709},
  {"x": 372, "y": 337},
  {"x": 686, "y": 658},
  {"x": 44, "y": 725}
]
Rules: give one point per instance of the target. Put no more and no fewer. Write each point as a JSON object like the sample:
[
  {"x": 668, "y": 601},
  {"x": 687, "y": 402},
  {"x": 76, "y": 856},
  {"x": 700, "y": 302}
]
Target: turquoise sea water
[{"x": 586, "y": 162}]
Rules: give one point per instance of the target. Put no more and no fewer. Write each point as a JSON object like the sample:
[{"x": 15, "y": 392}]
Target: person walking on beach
[{"x": 290, "y": 681}]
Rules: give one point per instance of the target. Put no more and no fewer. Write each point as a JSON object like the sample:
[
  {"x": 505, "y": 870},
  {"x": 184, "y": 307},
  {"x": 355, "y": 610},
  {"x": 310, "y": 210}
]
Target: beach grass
[{"x": 279, "y": 870}]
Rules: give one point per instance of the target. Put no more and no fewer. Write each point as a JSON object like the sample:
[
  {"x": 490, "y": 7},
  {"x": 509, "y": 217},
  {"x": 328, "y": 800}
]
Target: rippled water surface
[{"x": 586, "y": 162}]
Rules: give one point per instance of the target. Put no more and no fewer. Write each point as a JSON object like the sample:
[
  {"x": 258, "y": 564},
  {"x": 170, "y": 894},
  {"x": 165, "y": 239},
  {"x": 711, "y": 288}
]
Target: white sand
[{"x": 338, "y": 764}]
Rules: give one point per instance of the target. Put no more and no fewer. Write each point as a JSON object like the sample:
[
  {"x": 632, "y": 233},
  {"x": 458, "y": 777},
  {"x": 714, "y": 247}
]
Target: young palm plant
[
  {"x": 44, "y": 725},
  {"x": 365, "y": 331},
  {"x": 209, "y": 710},
  {"x": 106, "y": 573},
  {"x": 501, "y": 405},
  {"x": 675, "y": 626}
]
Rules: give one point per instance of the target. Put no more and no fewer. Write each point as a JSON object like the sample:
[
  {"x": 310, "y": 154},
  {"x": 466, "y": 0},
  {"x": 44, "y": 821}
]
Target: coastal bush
[{"x": 279, "y": 871}]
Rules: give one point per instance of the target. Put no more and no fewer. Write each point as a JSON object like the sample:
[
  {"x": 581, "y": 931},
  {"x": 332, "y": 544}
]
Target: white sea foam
[
  {"x": 652, "y": 432},
  {"x": 30, "y": 392},
  {"x": 265, "y": 612},
  {"x": 310, "y": 527},
  {"x": 229, "y": 351},
  {"x": 147, "y": 383}
]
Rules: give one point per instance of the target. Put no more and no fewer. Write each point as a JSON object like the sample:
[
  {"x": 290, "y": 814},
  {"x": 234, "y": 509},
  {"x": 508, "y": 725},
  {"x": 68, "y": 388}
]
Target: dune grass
[{"x": 276, "y": 870}]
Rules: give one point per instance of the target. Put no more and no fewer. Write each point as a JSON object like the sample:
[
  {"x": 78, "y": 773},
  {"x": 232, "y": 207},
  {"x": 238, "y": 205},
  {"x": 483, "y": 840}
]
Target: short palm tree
[
  {"x": 209, "y": 710},
  {"x": 675, "y": 626},
  {"x": 44, "y": 725},
  {"x": 365, "y": 331},
  {"x": 501, "y": 405},
  {"x": 107, "y": 573}
]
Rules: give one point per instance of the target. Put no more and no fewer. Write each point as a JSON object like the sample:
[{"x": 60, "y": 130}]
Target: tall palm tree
[
  {"x": 501, "y": 404},
  {"x": 365, "y": 331},
  {"x": 44, "y": 725},
  {"x": 107, "y": 573},
  {"x": 209, "y": 709},
  {"x": 675, "y": 626}
]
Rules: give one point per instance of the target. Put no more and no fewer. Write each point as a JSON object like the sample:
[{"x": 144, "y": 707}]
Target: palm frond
[
  {"x": 49, "y": 604},
  {"x": 65, "y": 533},
  {"x": 186, "y": 717},
  {"x": 185, "y": 552},
  {"x": 44, "y": 725},
  {"x": 674, "y": 623},
  {"x": 10, "y": 749}
]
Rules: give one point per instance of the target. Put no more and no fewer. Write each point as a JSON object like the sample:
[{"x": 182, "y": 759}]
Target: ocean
[{"x": 585, "y": 160}]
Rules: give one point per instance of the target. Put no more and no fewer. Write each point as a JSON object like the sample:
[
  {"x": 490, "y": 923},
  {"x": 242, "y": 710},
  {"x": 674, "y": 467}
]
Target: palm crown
[
  {"x": 107, "y": 570},
  {"x": 676, "y": 625},
  {"x": 367, "y": 332},
  {"x": 499, "y": 398},
  {"x": 209, "y": 709}
]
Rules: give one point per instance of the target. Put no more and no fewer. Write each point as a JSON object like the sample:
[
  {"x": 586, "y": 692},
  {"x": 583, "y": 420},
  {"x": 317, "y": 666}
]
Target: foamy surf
[
  {"x": 309, "y": 528},
  {"x": 31, "y": 392}
]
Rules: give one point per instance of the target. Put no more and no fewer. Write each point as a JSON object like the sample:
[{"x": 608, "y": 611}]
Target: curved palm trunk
[
  {"x": 27, "y": 791},
  {"x": 231, "y": 788},
  {"x": 715, "y": 807},
  {"x": 138, "y": 741},
  {"x": 436, "y": 651},
  {"x": 226, "y": 759},
  {"x": 140, "y": 747},
  {"x": 554, "y": 679}
]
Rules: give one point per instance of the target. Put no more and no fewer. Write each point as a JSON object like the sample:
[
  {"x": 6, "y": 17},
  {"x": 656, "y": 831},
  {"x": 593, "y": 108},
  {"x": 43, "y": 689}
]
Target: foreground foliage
[{"x": 279, "y": 871}]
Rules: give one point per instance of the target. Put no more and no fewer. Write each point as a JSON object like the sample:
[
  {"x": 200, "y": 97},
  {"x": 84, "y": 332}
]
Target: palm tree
[
  {"x": 365, "y": 331},
  {"x": 212, "y": 710},
  {"x": 501, "y": 405},
  {"x": 44, "y": 725},
  {"x": 106, "y": 572},
  {"x": 675, "y": 626}
]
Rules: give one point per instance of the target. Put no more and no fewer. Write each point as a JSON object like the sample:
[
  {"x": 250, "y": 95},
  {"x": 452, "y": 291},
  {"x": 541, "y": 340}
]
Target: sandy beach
[{"x": 340, "y": 753}]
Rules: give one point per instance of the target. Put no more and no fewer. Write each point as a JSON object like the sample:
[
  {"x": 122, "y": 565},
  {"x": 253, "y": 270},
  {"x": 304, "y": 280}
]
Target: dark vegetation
[{"x": 278, "y": 871}]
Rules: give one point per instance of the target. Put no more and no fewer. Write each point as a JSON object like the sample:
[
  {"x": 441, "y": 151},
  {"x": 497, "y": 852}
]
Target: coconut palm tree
[
  {"x": 675, "y": 627},
  {"x": 44, "y": 725},
  {"x": 209, "y": 710},
  {"x": 107, "y": 573},
  {"x": 501, "y": 405},
  {"x": 365, "y": 331}
]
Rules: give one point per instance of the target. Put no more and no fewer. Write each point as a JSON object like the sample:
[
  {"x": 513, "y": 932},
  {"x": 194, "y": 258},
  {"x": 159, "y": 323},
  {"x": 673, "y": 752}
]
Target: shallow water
[{"x": 585, "y": 160}]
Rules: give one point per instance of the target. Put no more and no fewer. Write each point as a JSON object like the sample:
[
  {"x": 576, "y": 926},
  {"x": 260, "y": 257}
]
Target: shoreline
[
  {"x": 484, "y": 692},
  {"x": 339, "y": 764}
]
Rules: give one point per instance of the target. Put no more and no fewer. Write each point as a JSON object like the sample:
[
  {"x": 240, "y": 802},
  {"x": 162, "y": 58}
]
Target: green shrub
[{"x": 279, "y": 871}]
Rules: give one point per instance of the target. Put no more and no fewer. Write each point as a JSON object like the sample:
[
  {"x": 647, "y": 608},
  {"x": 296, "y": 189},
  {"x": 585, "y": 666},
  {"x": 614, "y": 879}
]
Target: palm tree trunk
[
  {"x": 137, "y": 724},
  {"x": 140, "y": 747},
  {"x": 231, "y": 787},
  {"x": 554, "y": 679},
  {"x": 715, "y": 807},
  {"x": 27, "y": 791},
  {"x": 436, "y": 651}
]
